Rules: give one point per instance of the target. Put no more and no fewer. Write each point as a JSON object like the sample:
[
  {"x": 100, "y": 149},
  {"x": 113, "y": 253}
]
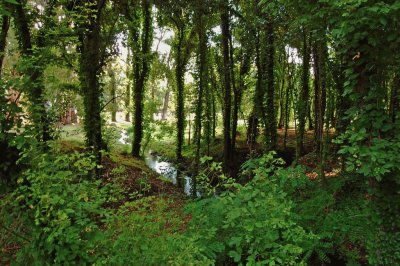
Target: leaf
[
  {"x": 12, "y": 2},
  {"x": 236, "y": 256}
]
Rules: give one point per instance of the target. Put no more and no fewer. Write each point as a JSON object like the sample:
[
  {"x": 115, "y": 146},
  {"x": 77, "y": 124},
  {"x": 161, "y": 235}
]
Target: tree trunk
[
  {"x": 165, "y": 106},
  {"x": 214, "y": 115},
  {"x": 287, "y": 103},
  {"x": 113, "y": 94},
  {"x": 128, "y": 88},
  {"x": 227, "y": 86},
  {"x": 258, "y": 106},
  {"x": 35, "y": 71},
  {"x": 142, "y": 67},
  {"x": 5, "y": 25},
  {"x": 244, "y": 69},
  {"x": 180, "y": 88},
  {"x": 90, "y": 69},
  {"x": 319, "y": 52},
  {"x": 270, "y": 132},
  {"x": 394, "y": 98},
  {"x": 304, "y": 95}
]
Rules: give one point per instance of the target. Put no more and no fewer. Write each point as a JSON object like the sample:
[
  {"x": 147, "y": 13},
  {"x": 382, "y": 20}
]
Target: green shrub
[
  {"x": 254, "y": 225},
  {"x": 61, "y": 209},
  {"x": 146, "y": 232}
]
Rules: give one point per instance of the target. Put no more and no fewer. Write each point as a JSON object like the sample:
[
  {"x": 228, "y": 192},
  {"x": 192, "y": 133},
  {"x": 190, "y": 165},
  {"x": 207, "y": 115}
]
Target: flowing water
[
  {"x": 167, "y": 170},
  {"x": 162, "y": 167}
]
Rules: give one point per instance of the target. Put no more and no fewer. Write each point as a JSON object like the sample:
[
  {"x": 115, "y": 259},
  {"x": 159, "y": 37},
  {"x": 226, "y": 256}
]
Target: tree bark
[
  {"x": 180, "y": 66},
  {"x": 90, "y": 68},
  {"x": 165, "y": 105},
  {"x": 394, "y": 99},
  {"x": 35, "y": 71},
  {"x": 128, "y": 88},
  {"x": 304, "y": 95},
  {"x": 5, "y": 25},
  {"x": 227, "y": 86},
  {"x": 142, "y": 67},
  {"x": 271, "y": 123}
]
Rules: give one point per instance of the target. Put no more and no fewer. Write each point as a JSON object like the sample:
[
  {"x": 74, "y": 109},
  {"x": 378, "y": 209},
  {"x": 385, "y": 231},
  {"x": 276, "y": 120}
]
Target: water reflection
[{"x": 167, "y": 170}]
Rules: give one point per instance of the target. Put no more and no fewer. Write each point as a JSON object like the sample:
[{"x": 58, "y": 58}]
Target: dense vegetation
[{"x": 284, "y": 113}]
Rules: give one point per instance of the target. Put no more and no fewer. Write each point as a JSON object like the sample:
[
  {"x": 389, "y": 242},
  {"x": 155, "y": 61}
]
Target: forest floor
[{"x": 137, "y": 180}]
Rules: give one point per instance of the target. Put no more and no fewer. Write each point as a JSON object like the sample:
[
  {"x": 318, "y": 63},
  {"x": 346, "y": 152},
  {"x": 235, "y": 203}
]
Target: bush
[
  {"x": 253, "y": 225},
  {"x": 61, "y": 209},
  {"x": 147, "y": 232}
]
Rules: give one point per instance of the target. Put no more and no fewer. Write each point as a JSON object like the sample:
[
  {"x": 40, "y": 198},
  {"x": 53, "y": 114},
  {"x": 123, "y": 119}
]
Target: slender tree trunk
[
  {"x": 202, "y": 83},
  {"x": 190, "y": 129},
  {"x": 113, "y": 94},
  {"x": 281, "y": 102},
  {"x": 5, "y": 25},
  {"x": 342, "y": 101},
  {"x": 271, "y": 133},
  {"x": 5, "y": 127},
  {"x": 227, "y": 86},
  {"x": 214, "y": 115},
  {"x": 142, "y": 62},
  {"x": 208, "y": 126},
  {"x": 128, "y": 88},
  {"x": 35, "y": 71},
  {"x": 244, "y": 69},
  {"x": 288, "y": 102},
  {"x": 258, "y": 106},
  {"x": 394, "y": 98},
  {"x": 304, "y": 95},
  {"x": 320, "y": 54},
  {"x": 165, "y": 105},
  {"x": 180, "y": 86}
]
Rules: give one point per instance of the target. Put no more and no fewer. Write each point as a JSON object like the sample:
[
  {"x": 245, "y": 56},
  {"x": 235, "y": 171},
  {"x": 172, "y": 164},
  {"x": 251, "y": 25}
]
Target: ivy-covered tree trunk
[
  {"x": 238, "y": 93},
  {"x": 282, "y": 97},
  {"x": 90, "y": 68},
  {"x": 128, "y": 88},
  {"x": 304, "y": 95},
  {"x": 342, "y": 101},
  {"x": 5, "y": 25},
  {"x": 319, "y": 54},
  {"x": 5, "y": 125},
  {"x": 271, "y": 123},
  {"x": 180, "y": 66},
  {"x": 202, "y": 82},
  {"x": 394, "y": 108},
  {"x": 258, "y": 105},
  {"x": 289, "y": 90},
  {"x": 113, "y": 94},
  {"x": 214, "y": 114},
  {"x": 34, "y": 69},
  {"x": 141, "y": 69},
  {"x": 225, "y": 28}
]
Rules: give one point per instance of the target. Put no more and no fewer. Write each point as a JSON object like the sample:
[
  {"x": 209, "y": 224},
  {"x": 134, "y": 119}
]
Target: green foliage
[
  {"x": 254, "y": 225},
  {"x": 211, "y": 179},
  {"x": 267, "y": 164},
  {"x": 146, "y": 232},
  {"x": 61, "y": 208}
]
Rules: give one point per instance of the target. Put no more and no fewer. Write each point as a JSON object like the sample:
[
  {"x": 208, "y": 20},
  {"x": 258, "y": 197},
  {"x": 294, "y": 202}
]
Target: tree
[
  {"x": 92, "y": 49},
  {"x": 140, "y": 32},
  {"x": 31, "y": 49},
  {"x": 304, "y": 94},
  {"x": 5, "y": 25},
  {"x": 227, "y": 92}
]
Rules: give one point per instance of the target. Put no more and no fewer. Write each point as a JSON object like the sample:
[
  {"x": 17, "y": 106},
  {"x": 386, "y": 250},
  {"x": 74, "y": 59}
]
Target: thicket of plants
[
  {"x": 57, "y": 216},
  {"x": 243, "y": 81}
]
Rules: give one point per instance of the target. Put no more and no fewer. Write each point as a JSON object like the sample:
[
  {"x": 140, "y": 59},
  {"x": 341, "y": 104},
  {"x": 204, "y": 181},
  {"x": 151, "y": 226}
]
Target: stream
[
  {"x": 167, "y": 170},
  {"x": 162, "y": 167}
]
